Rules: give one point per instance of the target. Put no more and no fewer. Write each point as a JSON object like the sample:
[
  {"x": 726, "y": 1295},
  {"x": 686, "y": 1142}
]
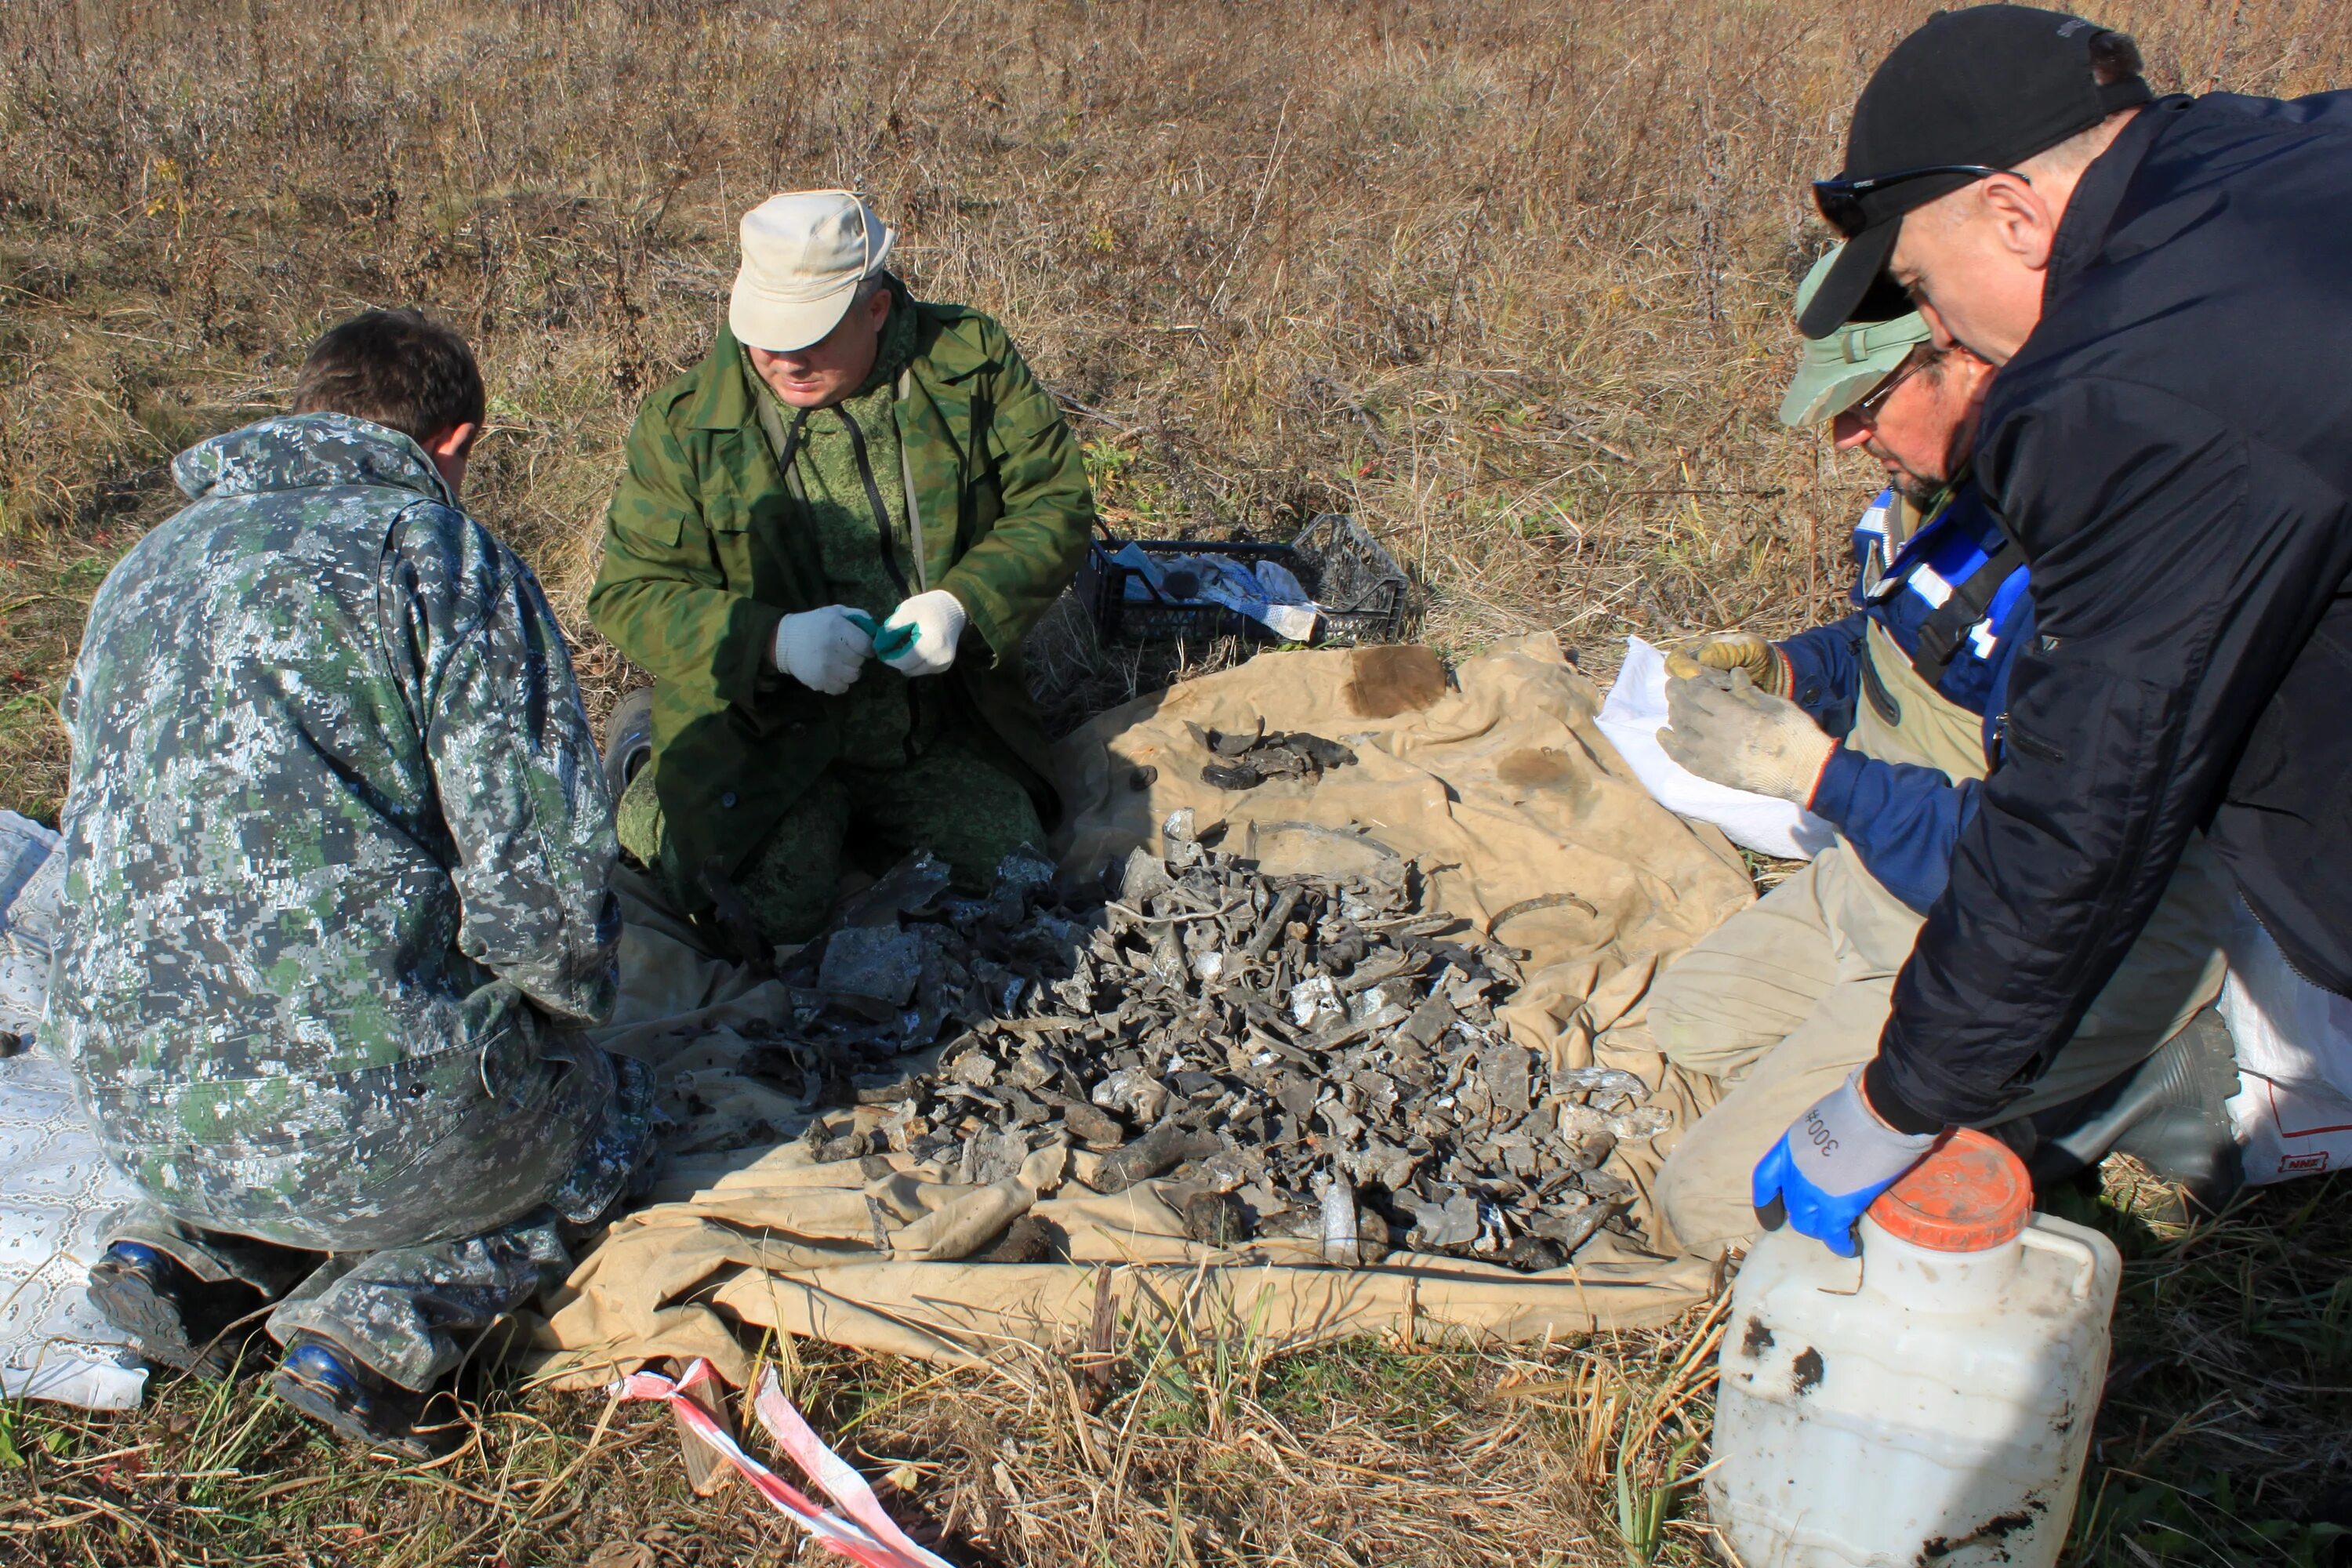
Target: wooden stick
[{"x": 706, "y": 1470}]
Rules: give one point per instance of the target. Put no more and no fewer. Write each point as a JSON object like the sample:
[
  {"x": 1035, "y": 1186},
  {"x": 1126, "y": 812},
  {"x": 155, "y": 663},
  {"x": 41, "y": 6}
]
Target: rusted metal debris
[{"x": 1298, "y": 1055}]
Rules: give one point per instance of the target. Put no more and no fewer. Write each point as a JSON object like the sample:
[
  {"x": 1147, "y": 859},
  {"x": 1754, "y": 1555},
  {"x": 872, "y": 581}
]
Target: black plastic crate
[{"x": 1358, "y": 584}]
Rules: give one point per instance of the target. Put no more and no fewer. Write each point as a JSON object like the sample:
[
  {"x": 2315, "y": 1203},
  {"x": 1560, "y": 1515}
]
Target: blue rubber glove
[{"x": 1829, "y": 1166}]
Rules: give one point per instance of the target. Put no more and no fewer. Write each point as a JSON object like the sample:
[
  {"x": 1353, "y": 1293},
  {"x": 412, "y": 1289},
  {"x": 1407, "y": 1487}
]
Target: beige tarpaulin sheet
[{"x": 1515, "y": 805}]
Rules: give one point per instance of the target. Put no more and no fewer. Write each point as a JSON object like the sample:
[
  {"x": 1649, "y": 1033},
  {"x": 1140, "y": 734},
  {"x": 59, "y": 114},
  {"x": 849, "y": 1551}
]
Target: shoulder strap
[
  {"x": 1941, "y": 633},
  {"x": 784, "y": 445},
  {"x": 783, "y": 440}
]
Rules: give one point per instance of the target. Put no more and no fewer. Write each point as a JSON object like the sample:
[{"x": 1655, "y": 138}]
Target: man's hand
[
  {"x": 822, "y": 649},
  {"x": 937, "y": 618},
  {"x": 1729, "y": 651},
  {"x": 1829, "y": 1166},
  {"x": 1722, "y": 728}
]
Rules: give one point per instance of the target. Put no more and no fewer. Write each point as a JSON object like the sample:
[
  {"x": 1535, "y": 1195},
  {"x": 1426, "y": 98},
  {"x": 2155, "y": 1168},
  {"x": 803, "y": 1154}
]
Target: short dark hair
[
  {"x": 2114, "y": 58},
  {"x": 400, "y": 368}
]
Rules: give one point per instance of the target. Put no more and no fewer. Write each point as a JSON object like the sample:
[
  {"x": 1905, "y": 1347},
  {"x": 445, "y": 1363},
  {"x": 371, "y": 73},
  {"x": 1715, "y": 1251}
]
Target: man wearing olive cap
[
  {"x": 1884, "y": 724},
  {"x": 2161, "y": 282},
  {"x": 833, "y": 536}
]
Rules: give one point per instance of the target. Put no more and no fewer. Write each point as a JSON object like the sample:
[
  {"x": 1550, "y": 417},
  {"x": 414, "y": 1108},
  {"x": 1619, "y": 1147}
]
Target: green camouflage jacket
[
  {"x": 704, "y": 553},
  {"x": 337, "y": 838}
]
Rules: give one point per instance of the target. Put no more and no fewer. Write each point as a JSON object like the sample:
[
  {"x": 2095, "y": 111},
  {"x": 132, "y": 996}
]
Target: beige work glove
[
  {"x": 1723, "y": 729},
  {"x": 1732, "y": 650}
]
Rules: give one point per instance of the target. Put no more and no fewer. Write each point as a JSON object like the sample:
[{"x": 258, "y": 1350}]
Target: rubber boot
[
  {"x": 2166, "y": 1113},
  {"x": 328, "y": 1383},
  {"x": 628, "y": 738},
  {"x": 173, "y": 1316}
]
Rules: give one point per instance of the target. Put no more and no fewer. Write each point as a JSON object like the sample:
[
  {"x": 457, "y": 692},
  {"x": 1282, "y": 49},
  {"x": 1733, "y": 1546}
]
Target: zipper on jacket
[
  {"x": 1874, "y": 687},
  {"x": 873, "y": 499},
  {"x": 889, "y": 561},
  {"x": 2025, "y": 741},
  {"x": 914, "y": 508}
]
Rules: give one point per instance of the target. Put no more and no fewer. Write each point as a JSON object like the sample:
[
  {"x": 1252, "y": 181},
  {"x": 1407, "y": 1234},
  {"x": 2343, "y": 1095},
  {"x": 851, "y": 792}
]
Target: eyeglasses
[
  {"x": 1840, "y": 200},
  {"x": 1868, "y": 410}
]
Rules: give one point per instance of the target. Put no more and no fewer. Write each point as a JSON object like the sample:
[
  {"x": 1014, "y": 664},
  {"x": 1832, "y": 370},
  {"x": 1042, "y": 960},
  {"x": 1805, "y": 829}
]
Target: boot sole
[
  {"x": 320, "y": 1404},
  {"x": 125, "y": 1299}
]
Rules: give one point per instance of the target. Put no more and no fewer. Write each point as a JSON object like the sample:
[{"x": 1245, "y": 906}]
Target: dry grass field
[{"x": 1508, "y": 281}]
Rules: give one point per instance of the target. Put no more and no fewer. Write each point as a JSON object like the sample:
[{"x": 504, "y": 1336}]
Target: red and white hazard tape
[{"x": 868, "y": 1535}]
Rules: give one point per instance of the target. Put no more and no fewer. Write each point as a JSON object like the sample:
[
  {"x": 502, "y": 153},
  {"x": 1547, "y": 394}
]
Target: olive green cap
[{"x": 1840, "y": 370}]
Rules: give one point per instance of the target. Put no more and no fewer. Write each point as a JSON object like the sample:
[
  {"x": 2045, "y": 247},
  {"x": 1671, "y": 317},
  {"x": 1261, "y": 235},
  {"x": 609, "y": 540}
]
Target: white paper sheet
[{"x": 1631, "y": 716}]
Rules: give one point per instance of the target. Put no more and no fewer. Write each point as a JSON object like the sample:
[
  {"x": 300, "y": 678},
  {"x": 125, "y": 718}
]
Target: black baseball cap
[{"x": 1972, "y": 93}]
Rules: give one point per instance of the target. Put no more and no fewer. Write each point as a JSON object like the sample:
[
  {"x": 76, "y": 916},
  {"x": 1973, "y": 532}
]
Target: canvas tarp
[{"x": 1524, "y": 819}]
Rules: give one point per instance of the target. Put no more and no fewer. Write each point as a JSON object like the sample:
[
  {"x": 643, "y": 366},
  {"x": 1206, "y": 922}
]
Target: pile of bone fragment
[
  {"x": 1240, "y": 760},
  {"x": 1297, "y": 1055}
]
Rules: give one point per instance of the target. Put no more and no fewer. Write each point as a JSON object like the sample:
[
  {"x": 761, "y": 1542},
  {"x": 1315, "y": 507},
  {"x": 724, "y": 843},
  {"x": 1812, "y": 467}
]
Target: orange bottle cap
[{"x": 1970, "y": 1196}]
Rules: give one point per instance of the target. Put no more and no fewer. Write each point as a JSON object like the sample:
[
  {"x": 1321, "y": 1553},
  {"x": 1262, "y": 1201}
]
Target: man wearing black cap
[{"x": 2161, "y": 282}]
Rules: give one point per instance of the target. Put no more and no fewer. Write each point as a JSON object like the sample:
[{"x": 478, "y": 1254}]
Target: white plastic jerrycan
[{"x": 1928, "y": 1406}]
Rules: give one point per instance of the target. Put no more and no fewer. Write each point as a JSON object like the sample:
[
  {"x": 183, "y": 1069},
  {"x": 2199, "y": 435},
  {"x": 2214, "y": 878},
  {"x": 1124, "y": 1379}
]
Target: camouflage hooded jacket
[
  {"x": 336, "y": 833},
  {"x": 705, "y": 552}
]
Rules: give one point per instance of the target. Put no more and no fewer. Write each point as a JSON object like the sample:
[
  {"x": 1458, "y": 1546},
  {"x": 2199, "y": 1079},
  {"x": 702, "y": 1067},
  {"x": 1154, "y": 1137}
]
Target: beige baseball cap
[
  {"x": 1841, "y": 369},
  {"x": 804, "y": 254}
]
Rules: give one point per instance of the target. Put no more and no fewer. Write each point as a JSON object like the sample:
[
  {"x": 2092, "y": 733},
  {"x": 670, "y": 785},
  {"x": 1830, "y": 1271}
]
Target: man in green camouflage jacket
[
  {"x": 338, "y": 847},
  {"x": 850, "y": 473}
]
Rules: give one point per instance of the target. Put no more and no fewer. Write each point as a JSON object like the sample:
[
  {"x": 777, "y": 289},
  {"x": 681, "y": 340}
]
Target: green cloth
[
  {"x": 951, "y": 801},
  {"x": 868, "y": 561},
  {"x": 705, "y": 550}
]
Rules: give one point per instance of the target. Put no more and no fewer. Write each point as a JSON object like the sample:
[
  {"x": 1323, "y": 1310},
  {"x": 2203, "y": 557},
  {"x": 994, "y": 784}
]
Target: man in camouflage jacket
[
  {"x": 876, "y": 462},
  {"x": 338, "y": 847}
]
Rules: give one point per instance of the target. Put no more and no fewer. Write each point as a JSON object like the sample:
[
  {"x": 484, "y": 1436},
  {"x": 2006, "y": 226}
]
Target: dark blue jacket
[
  {"x": 2172, "y": 451},
  {"x": 1903, "y": 819}
]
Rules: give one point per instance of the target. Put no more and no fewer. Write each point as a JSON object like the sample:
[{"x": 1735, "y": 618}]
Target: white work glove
[
  {"x": 1732, "y": 650},
  {"x": 822, "y": 649},
  {"x": 1723, "y": 729},
  {"x": 938, "y": 620}
]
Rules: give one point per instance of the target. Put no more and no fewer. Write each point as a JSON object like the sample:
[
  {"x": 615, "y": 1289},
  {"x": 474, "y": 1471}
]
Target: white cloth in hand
[
  {"x": 938, "y": 618},
  {"x": 823, "y": 649}
]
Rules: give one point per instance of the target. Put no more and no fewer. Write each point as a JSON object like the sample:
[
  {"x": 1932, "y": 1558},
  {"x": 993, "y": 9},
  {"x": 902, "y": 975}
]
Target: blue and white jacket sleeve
[
  {"x": 1825, "y": 672},
  {"x": 1903, "y": 819}
]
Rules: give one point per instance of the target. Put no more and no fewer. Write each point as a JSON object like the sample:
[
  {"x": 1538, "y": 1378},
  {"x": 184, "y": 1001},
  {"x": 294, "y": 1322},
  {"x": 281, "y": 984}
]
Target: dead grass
[
  {"x": 1508, "y": 281},
  {"x": 1202, "y": 1446},
  {"x": 2220, "y": 1442}
]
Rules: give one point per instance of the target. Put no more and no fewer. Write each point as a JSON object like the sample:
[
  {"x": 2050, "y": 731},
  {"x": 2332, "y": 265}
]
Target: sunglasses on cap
[{"x": 1840, "y": 200}]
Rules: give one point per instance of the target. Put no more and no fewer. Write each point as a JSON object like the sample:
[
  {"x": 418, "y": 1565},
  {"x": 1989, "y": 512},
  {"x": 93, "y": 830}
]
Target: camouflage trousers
[
  {"x": 948, "y": 800},
  {"x": 441, "y": 1249}
]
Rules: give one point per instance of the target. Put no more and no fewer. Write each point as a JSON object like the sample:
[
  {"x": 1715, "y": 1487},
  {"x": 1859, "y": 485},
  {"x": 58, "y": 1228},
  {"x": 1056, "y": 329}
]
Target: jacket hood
[{"x": 307, "y": 451}]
